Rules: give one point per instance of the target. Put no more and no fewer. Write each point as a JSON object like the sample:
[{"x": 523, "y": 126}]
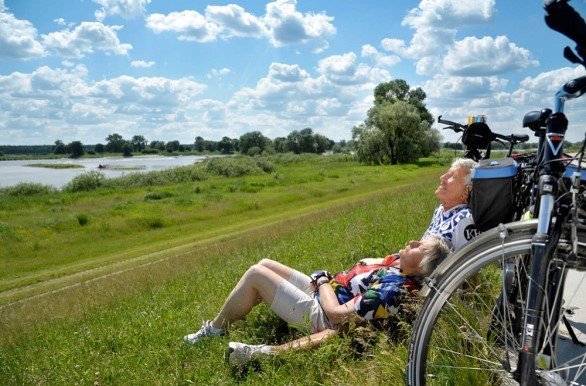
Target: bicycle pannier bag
[{"x": 491, "y": 200}]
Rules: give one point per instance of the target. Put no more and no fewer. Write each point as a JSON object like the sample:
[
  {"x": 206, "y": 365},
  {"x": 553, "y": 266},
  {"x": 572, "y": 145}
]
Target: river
[{"x": 15, "y": 172}]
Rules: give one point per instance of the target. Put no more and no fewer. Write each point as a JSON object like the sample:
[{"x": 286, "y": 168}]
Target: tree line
[{"x": 251, "y": 143}]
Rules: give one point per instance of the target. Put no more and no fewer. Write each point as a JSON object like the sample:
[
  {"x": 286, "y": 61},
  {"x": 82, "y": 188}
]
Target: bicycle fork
[{"x": 543, "y": 284}]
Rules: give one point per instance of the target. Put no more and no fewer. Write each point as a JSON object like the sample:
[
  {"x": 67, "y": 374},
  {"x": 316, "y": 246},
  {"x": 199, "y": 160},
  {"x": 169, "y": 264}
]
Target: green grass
[
  {"x": 55, "y": 166},
  {"x": 164, "y": 263}
]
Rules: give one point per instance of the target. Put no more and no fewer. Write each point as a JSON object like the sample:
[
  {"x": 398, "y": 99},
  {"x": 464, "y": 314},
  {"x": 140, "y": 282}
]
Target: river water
[{"x": 14, "y": 172}]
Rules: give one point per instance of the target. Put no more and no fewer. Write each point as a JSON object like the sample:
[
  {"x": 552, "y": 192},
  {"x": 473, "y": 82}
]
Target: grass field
[{"x": 100, "y": 286}]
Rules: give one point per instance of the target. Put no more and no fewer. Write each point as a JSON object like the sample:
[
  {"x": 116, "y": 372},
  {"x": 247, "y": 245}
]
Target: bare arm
[{"x": 336, "y": 313}]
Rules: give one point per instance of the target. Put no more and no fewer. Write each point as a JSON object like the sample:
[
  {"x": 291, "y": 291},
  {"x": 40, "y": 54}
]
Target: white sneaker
[
  {"x": 239, "y": 354},
  {"x": 206, "y": 330}
]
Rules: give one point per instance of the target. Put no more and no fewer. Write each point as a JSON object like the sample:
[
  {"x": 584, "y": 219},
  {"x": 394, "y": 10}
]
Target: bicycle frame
[{"x": 546, "y": 238}]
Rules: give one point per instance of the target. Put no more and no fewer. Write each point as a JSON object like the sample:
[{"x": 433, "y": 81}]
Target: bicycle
[{"x": 492, "y": 311}]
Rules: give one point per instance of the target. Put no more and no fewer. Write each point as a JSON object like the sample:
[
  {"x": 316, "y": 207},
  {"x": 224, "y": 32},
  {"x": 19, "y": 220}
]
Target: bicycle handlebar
[
  {"x": 457, "y": 127},
  {"x": 561, "y": 17}
]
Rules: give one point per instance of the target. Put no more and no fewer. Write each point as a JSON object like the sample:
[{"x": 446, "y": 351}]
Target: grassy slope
[{"x": 126, "y": 327}]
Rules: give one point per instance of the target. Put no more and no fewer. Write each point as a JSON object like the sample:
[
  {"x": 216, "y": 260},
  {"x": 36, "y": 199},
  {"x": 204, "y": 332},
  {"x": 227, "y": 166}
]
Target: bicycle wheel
[{"x": 468, "y": 329}]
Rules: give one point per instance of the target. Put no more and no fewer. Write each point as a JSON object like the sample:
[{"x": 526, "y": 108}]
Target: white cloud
[
  {"x": 142, "y": 64},
  {"x": 378, "y": 58},
  {"x": 282, "y": 24},
  {"x": 188, "y": 25},
  {"x": 127, "y": 9},
  {"x": 442, "y": 89},
  {"x": 288, "y": 26},
  {"x": 62, "y": 98},
  {"x": 218, "y": 73},
  {"x": 235, "y": 21},
  {"x": 85, "y": 39},
  {"x": 60, "y": 21},
  {"x": 448, "y": 13},
  {"x": 393, "y": 45},
  {"x": 18, "y": 38},
  {"x": 486, "y": 56}
]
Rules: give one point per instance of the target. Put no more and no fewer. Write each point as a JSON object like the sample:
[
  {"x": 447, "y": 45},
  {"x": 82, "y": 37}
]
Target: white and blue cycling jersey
[{"x": 455, "y": 225}]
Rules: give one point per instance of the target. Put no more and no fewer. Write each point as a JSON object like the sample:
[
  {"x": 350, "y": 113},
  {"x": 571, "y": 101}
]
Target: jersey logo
[{"x": 471, "y": 232}]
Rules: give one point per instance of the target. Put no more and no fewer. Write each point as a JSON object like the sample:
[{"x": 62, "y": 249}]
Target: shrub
[
  {"x": 82, "y": 219},
  {"x": 233, "y": 167},
  {"x": 85, "y": 182},
  {"x": 28, "y": 189},
  {"x": 157, "y": 195}
]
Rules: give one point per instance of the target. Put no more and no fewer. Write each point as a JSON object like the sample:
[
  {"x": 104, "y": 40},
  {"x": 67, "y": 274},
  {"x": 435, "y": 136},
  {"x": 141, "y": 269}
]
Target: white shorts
[{"x": 294, "y": 304}]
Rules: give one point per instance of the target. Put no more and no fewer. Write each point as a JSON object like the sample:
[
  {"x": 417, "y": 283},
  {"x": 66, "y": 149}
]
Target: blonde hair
[{"x": 433, "y": 255}]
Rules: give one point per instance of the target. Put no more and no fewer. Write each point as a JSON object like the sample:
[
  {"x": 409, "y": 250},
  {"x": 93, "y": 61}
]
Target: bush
[
  {"x": 157, "y": 195},
  {"x": 82, "y": 219},
  {"x": 85, "y": 182},
  {"x": 28, "y": 189},
  {"x": 235, "y": 167}
]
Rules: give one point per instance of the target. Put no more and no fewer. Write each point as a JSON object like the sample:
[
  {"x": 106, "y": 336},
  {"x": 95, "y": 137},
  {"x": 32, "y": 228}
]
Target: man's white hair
[{"x": 469, "y": 165}]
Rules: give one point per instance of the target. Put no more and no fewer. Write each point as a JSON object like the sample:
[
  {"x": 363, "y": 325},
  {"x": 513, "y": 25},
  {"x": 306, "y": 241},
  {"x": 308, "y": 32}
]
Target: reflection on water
[{"x": 14, "y": 172}]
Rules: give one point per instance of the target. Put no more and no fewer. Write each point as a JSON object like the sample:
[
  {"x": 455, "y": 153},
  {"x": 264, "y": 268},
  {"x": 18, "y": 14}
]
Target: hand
[{"x": 320, "y": 273}]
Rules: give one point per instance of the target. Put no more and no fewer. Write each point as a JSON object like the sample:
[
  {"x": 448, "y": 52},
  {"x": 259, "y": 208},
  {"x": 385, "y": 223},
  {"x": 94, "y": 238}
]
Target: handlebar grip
[{"x": 561, "y": 17}]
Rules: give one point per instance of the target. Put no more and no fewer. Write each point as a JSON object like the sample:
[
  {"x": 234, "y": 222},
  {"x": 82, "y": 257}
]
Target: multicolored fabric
[
  {"x": 455, "y": 226},
  {"x": 375, "y": 285}
]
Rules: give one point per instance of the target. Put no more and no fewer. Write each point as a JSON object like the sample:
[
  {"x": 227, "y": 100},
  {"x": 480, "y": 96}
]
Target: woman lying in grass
[{"x": 371, "y": 289}]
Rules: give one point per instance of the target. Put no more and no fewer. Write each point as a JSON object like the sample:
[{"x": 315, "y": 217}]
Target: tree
[
  {"x": 199, "y": 144},
  {"x": 372, "y": 146},
  {"x": 127, "y": 149},
  {"x": 115, "y": 142},
  {"x": 293, "y": 143},
  {"x": 158, "y": 145},
  {"x": 226, "y": 145},
  {"x": 306, "y": 144},
  {"x": 172, "y": 146},
  {"x": 139, "y": 143},
  {"x": 75, "y": 148},
  {"x": 399, "y": 90},
  {"x": 322, "y": 143},
  {"x": 59, "y": 147},
  {"x": 401, "y": 125},
  {"x": 253, "y": 139},
  {"x": 279, "y": 144},
  {"x": 99, "y": 148}
]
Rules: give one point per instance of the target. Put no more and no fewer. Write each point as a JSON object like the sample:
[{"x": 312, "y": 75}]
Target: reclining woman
[{"x": 366, "y": 291}]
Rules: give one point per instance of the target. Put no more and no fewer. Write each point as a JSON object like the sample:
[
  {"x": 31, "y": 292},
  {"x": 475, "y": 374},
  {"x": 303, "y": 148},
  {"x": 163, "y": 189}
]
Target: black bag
[
  {"x": 477, "y": 136},
  {"x": 491, "y": 199}
]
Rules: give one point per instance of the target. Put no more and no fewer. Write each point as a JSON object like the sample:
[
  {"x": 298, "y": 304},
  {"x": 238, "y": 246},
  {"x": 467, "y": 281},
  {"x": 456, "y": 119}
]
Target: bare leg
[
  {"x": 298, "y": 279},
  {"x": 307, "y": 342},
  {"x": 280, "y": 269},
  {"x": 259, "y": 283}
]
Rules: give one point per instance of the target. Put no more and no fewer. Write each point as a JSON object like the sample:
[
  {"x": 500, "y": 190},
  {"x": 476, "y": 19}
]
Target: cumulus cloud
[
  {"x": 447, "y": 13},
  {"x": 188, "y": 25},
  {"x": 218, "y": 73},
  {"x": 282, "y": 24},
  {"x": 486, "y": 56},
  {"x": 63, "y": 97},
  {"x": 142, "y": 64},
  {"x": 378, "y": 58},
  {"x": 289, "y": 26},
  {"x": 235, "y": 21},
  {"x": 85, "y": 39},
  {"x": 18, "y": 38},
  {"x": 127, "y": 9}
]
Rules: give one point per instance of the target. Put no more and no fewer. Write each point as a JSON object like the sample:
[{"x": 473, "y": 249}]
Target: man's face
[{"x": 452, "y": 190}]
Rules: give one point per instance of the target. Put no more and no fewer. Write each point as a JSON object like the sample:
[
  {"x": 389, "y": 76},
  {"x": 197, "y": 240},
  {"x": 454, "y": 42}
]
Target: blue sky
[{"x": 177, "y": 69}]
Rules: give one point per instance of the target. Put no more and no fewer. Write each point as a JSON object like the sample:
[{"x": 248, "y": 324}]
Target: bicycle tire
[{"x": 454, "y": 340}]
